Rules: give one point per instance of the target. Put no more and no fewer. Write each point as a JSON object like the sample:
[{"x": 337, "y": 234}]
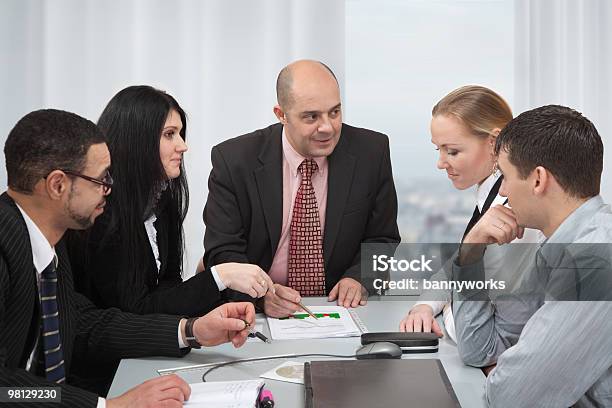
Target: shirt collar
[
  {"x": 569, "y": 231},
  {"x": 295, "y": 159},
  {"x": 482, "y": 192},
  {"x": 42, "y": 252}
]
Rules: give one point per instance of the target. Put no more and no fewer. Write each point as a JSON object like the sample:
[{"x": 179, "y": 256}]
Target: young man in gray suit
[
  {"x": 58, "y": 178},
  {"x": 552, "y": 160}
]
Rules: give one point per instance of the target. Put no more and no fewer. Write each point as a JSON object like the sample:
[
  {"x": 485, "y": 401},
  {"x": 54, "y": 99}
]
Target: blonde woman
[{"x": 464, "y": 126}]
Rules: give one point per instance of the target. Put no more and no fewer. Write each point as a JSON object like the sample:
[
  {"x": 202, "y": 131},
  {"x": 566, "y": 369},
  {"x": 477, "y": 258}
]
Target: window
[{"x": 402, "y": 56}]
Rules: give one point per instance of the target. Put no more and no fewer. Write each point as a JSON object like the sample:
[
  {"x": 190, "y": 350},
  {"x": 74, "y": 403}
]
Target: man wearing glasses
[
  {"x": 105, "y": 181},
  {"x": 86, "y": 217},
  {"x": 58, "y": 178}
]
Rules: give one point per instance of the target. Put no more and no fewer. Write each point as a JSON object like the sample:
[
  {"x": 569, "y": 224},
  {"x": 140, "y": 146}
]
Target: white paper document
[
  {"x": 333, "y": 321},
  {"x": 224, "y": 394}
]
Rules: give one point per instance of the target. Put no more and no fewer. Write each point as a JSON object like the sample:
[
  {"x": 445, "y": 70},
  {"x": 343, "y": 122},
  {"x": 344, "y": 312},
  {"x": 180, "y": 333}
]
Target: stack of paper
[
  {"x": 225, "y": 394},
  {"x": 333, "y": 321}
]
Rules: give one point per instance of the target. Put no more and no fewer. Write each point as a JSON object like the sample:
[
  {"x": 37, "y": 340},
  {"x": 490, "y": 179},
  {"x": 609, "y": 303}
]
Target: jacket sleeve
[
  {"x": 124, "y": 335},
  {"x": 224, "y": 239},
  {"x": 115, "y": 333},
  {"x": 99, "y": 273},
  {"x": 563, "y": 351}
]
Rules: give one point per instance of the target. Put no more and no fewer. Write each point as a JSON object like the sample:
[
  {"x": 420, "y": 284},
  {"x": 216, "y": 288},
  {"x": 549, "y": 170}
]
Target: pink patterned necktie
[{"x": 306, "y": 270}]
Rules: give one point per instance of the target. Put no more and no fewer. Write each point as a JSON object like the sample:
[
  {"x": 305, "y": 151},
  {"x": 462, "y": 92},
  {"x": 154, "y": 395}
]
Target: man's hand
[
  {"x": 349, "y": 293},
  {"x": 282, "y": 301},
  {"x": 420, "y": 318},
  {"x": 167, "y": 391},
  {"x": 497, "y": 226},
  {"x": 245, "y": 278},
  {"x": 225, "y": 323}
]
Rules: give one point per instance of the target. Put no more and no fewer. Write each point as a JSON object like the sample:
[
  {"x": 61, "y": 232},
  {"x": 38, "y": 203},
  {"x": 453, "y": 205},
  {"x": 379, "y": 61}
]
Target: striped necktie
[{"x": 52, "y": 342}]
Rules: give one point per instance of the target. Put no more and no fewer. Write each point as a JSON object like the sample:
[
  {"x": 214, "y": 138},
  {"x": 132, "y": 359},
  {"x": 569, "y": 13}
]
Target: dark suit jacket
[
  {"x": 243, "y": 213},
  {"x": 84, "y": 329},
  {"x": 99, "y": 263}
]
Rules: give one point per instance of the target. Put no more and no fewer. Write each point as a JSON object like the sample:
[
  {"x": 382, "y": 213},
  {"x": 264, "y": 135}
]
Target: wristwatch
[{"x": 189, "y": 336}]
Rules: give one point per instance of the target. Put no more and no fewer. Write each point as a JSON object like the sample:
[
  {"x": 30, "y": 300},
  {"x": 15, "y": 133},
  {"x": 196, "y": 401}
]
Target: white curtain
[
  {"x": 219, "y": 58},
  {"x": 563, "y": 55}
]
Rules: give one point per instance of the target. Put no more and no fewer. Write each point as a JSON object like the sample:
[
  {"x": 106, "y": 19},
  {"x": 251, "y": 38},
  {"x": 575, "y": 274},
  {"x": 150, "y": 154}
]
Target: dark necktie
[
  {"x": 306, "y": 272},
  {"x": 477, "y": 214},
  {"x": 52, "y": 342}
]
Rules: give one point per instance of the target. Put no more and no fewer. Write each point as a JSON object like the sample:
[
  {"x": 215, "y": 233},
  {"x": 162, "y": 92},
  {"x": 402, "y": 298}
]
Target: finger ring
[{"x": 262, "y": 283}]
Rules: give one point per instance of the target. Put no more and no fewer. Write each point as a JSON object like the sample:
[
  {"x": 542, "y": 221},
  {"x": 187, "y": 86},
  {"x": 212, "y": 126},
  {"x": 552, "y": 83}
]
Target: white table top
[{"x": 380, "y": 314}]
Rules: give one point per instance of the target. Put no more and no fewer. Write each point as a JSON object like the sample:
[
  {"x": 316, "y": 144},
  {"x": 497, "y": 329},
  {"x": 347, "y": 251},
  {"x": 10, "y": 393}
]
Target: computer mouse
[{"x": 381, "y": 349}]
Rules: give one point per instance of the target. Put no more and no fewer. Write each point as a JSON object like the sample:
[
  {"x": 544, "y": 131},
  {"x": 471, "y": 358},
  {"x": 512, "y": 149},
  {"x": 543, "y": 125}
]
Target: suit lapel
[
  {"x": 66, "y": 320},
  {"x": 31, "y": 307},
  {"x": 341, "y": 166},
  {"x": 30, "y": 279},
  {"x": 269, "y": 179}
]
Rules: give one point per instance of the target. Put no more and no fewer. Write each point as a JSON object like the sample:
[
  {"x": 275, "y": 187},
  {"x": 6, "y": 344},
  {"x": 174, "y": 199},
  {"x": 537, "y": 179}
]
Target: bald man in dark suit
[{"x": 300, "y": 197}]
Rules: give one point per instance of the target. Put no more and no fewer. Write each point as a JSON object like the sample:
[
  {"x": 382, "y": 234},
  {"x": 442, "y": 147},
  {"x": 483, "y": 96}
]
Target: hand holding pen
[
  {"x": 228, "y": 322},
  {"x": 284, "y": 302},
  {"x": 304, "y": 308},
  {"x": 257, "y": 334}
]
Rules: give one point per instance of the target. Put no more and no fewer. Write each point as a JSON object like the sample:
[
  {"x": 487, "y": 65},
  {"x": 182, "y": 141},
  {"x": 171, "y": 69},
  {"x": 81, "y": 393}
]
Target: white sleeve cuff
[
  {"x": 436, "y": 305},
  {"x": 101, "y": 403},
  {"x": 181, "y": 343},
  {"x": 217, "y": 279}
]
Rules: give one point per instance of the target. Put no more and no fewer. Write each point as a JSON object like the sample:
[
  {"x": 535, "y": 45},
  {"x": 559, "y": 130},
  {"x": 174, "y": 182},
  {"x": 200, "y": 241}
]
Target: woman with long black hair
[{"x": 132, "y": 257}]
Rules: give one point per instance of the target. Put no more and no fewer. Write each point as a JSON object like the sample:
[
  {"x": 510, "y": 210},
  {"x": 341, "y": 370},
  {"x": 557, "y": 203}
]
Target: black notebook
[{"x": 378, "y": 383}]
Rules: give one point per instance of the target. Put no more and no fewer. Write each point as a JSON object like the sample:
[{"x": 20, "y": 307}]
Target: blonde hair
[{"x": 479, "y": 108}]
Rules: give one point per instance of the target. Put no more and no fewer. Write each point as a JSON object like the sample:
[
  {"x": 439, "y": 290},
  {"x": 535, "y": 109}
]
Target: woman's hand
[
  {"x": 420, "y": 319},
  {"x": 245, "y": 278}
]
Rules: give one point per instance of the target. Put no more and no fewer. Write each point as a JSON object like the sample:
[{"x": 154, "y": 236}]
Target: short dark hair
[
  {"x": 47, "y": 140},
  {"x": 284, "y": 82},
  {"x": 559, "y": 139}
]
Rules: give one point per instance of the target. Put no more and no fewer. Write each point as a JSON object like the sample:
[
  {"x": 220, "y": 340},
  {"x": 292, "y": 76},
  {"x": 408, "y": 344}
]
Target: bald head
[
  {"x": 298, "y": 72},
  {"x": 309, "y": 107}
]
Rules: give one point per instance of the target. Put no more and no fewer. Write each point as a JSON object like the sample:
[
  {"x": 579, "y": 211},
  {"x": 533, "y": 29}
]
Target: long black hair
[{"x": 133, "y": 122}]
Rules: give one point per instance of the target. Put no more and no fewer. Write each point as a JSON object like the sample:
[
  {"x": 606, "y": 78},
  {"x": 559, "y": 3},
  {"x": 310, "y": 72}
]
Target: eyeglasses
[{"x": 106, "y": 182}]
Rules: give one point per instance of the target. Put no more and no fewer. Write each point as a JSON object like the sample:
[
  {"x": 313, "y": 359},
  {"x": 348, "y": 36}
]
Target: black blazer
[
  {"x": 84, "y": 328},
  {"x": 243, "y": 213},
  {"x": 99, "y": 262}
]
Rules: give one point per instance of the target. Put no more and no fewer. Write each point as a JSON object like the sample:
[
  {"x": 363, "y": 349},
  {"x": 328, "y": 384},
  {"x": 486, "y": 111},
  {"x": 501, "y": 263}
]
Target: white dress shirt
[{"x": 152, "y": 235}]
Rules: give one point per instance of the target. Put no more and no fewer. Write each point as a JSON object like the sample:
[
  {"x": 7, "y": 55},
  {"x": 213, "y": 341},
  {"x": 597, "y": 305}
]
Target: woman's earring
[{"x": 496, "y": 172}]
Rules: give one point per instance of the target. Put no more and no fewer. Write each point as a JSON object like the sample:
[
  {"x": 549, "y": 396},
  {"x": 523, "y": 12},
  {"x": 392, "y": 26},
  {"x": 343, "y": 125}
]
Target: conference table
[{"x": 382, "y": 313}]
